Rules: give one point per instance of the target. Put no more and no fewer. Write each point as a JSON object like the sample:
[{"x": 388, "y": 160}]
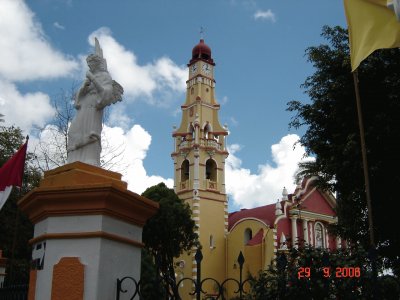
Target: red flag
[{"x": 11, "y": 173}]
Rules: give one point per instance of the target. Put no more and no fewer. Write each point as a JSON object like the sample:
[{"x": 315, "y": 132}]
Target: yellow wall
[
  {"x": 257, "y": 257},
  {"x": 208, "y": 200}
]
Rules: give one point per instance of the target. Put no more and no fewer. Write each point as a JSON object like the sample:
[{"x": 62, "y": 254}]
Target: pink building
[{"x": 299, "y": 218}]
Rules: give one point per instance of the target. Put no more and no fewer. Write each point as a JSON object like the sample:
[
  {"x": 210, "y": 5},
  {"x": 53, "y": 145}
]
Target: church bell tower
[{"x": 199, "y": 164}]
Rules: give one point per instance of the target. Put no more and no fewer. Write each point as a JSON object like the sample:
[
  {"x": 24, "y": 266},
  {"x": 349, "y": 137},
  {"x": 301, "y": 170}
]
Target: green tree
[
  {"x": 150, "y": 282},
  {"x": 169, "y": 233},
  {"x": 312, "y": 273},
  {"x": 15, "y": 227},
  {"x": 332, "y": 136}
]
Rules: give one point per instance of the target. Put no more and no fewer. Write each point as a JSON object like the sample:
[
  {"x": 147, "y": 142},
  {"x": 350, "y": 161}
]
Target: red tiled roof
[
  {"x": 257, "y": 239},
  {"x": 264, "y": 213}
]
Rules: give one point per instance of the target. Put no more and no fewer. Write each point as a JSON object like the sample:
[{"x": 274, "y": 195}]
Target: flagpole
[
  {"x": 364, "y": 159},
  {"x": 16, "y": 229},
  {"x": 14, "y": 243},
  {"x": 366, "y": 181}
]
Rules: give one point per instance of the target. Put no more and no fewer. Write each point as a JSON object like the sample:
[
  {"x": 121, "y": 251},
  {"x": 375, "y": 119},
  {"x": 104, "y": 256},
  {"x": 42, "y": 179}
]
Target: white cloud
[
  {"x": 58, "y": 26},
  {"x": 155, "y": 81},
  {"x": 26, "y": 55},
  {"x": 267, "y": 15},
  {"x": 135, "y": 143},
  {"x": 123, "y": 151},
  {"x": 24, "y": 110},
  {"x": 251, "y": 190},
  {"x": 49, "y": 148},
  {"x": 248, "y": 4},
  {"x": 116, "y": 116},
  {"x": 224, "y": 100},
  {"x": 233, "y": 121},
  {"x": 25, "y": 52}
]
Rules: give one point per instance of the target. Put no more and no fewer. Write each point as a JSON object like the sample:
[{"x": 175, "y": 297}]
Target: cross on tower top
[{"x": 202, "y": 32}]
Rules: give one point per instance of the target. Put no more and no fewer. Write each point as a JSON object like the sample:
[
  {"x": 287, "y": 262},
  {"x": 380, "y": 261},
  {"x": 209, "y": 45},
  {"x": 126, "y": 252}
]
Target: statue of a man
[{"x": 97, "y": 92}]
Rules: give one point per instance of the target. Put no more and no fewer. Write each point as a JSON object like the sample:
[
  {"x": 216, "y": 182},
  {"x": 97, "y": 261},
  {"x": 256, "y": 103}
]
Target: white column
[
  {"x": 3, "y": 264},
  {"x": 223, "y": 177},
  {"x": 326, "y": 237},
  {"x": 338, "y": 242},
  {"x": 196, "y": 170},
  {"x": 311, "y": 234},
  {"x": 197, "y": 134},
  {"x": 305, "y": 231},
  {"x": 175, "y": 176},
  {"x": 294, "y": 231}
]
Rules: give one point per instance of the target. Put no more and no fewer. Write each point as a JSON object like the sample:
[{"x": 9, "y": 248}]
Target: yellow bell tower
[{"x": 199, "y": 165}]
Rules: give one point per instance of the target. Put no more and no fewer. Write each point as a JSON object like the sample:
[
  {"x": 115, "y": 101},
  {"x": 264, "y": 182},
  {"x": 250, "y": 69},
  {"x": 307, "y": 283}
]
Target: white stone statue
[{"x": 97, "y": 92}]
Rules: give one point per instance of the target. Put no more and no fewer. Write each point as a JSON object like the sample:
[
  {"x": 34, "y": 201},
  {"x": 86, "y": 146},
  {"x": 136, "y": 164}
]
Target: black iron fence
[
  {"x": 14, "y": 292},
  {"x": 198, "y": 290}
]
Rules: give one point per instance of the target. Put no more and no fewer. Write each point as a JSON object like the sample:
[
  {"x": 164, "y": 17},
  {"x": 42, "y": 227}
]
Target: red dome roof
[
  {"x": 201, "y": 51},
  {"x": 201, "y": 48}
]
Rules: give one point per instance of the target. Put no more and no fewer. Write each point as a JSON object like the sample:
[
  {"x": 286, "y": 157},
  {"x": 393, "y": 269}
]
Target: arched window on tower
[
  {"x": 185, "y": 170},
  {"x": 211, "y": 170},
  {"x": 212, "y": 242},
  {"x": 192, "y": 132},
  {"x": 248, "y": 235},
  {"x": 207, "y": 130},
  {"x": 319, "y": 235}
]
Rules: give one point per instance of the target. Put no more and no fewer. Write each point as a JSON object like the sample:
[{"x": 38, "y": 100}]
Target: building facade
[
  {"x": 199, "y": 172},
  {"x": 299, "y": 218},
  {"x": 199, "y": 164}
]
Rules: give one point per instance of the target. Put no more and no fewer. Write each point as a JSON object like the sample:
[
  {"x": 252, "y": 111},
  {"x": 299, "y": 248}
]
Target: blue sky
[{"x": 258, "y": 46}]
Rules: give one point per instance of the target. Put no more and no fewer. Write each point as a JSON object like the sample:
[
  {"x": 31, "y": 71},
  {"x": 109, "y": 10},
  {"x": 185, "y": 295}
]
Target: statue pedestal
[{"x": 88, "y": 232}]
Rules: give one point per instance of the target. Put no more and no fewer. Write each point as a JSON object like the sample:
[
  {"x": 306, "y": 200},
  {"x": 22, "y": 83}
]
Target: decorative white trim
[
  {"x": 283, "y": 242},
  {"x": 305, "y": 231},
  {"x": 278, "y": 218},
  {"x": 293, "y": 219},
  {"x": 327, "y": 237},
  {"x": 313, "y": 215},
  {"x": 249, "y": 218},
  {"x": 338, "y": 242},
  {"x": 302, "y": 191},
  {"x": 311, "y": 234}
]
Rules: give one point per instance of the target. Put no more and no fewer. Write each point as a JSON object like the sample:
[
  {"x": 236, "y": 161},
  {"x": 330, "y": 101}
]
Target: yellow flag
[{"x": 372, "y": 25}]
